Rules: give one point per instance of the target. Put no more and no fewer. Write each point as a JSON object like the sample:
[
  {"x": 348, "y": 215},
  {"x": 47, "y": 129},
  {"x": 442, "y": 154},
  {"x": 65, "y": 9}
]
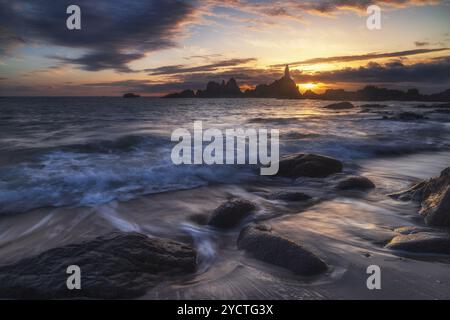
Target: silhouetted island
[
  {"x": 286, "y": 88},
  {"x": 131, "y": 95}
]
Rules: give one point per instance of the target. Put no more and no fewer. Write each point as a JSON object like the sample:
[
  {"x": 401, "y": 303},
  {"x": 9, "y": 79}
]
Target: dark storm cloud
[
  {"x": 104, "y": 60},
  {"x": 437, "y": 71},
  {"x": 179, "y": 69},
  {"x": 113, "y": 32},
  {"x": 295, "y": 9},
  {"x": 394, "y": 73},
  {"x": 368, "y": 56},
  {"x": 329, "y": 6},
  {"x": 143, "y": 86}
]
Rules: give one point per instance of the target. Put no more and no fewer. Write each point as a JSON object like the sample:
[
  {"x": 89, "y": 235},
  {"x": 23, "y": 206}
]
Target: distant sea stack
[
  {"x": 223, "y": 90},
  {"x": 131, "y": 95},
  {"x": 286, "y": 88}
]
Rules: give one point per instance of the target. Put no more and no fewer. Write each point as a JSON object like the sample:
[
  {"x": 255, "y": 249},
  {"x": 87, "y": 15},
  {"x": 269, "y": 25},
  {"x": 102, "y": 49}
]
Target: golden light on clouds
[{"x": 309, "y": 86}]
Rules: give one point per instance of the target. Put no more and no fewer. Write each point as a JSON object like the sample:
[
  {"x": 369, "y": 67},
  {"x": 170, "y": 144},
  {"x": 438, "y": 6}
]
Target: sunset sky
[{"x": 156, "y": 47}]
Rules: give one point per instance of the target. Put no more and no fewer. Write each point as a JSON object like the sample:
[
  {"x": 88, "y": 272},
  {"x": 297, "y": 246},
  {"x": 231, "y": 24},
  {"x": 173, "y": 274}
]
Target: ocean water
[
  {"x": 75, "y": 168},
  {"x": 88, "y": 151}
]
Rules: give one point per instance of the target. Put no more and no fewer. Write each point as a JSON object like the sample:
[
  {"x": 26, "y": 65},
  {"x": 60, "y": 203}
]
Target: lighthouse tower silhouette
[{"x": 287, "y": 75}]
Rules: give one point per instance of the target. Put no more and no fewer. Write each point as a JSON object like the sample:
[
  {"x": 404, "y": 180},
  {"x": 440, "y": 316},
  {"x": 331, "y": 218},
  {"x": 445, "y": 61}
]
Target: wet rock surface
[
  {"x": 434, "y": 195},
  {"x": 355, "y": 183},
  {"x": 261, "y": 243},
  {"x": 421, "y": 242},
  {"x": 308, "y": 165},
  {"x": 116, "y": 266},
  {"x": 231, "y": 213}
]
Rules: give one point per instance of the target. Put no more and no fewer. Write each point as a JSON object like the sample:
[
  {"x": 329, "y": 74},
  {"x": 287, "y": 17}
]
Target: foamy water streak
[{"x": 88, "y": 151}]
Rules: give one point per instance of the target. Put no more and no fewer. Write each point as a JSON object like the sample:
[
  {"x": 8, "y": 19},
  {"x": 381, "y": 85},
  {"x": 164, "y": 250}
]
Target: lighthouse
[{"x": 287, "y": 75}]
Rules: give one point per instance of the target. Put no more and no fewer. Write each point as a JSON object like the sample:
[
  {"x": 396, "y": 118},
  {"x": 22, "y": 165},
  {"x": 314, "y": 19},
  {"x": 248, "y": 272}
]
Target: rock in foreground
[
  {"x": 231, "y": 213},
  {"x": 308, "y": 165},
  {"x": 116, "y": 266},
  {"x": 355, "y": 183},
  {"x": 422, "y": 242},
  {"x": 434, "y": 195},
  {"x": 262, "y": 244}
]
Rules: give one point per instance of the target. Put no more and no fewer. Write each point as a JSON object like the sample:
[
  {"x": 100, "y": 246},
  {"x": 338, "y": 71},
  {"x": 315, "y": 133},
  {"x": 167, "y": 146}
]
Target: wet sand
[{"x": 348, "y": 230}]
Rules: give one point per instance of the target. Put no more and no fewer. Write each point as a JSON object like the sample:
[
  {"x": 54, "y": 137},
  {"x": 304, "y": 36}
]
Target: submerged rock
[
  {"x": 261, "y": 243},
  {"x": 355, "y": 183},
  {"x": 340, "y": 106},
  {"x": 231, "y": 213},
  {"x": 116, "y": 266},
  {"x": 421, "y": 242},
  {"x": 289, "y": 196},
  {"x": 308, "y": 165},
  {"x": 434, "y": 196}
]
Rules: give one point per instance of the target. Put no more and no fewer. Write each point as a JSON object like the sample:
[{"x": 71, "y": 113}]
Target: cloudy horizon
[{"x": 157, "y": 47}]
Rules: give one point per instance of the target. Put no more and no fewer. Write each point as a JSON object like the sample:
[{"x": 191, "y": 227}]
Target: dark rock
[
  {"x": 289, "y": 196},
  {"x": 434, "y": 196},
  {"x": 308, "y": 165},
  {"x": 355, "y": 183},
  {"x": 340, "y": 106},
  {"x": 131, "y": 95},
  {"x": 436, "y": 208},
  {"x": 422, "y": 242},
  {"x": 309, "y": 94},
  {"x": 116, "y": 266},
  {"x": 261, "y": 243},
  {"x": 231, "y": 213},
  {"x": 284, "y": 88},
  {"x": 222, "y": 90}
]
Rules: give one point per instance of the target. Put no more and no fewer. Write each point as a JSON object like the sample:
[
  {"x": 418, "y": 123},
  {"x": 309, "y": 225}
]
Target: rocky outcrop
[
  {"x": 231, "y": 213},
  {"x": 421, "y": 242},
  {"x": 131, "y": 95},
  {"x": 115, "y": 266},
  {"x": 223, "y": 90},
  {"x": 340, "y": 106},
  {"x": 284, "y": 88},
  {"x": 261, "y": 243},
  {"x": 308, "y": 165},
  {"x": 434, "y": 196},
  {"x": 355, "y": 183},
  {"x": 436, "y": 208}
]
